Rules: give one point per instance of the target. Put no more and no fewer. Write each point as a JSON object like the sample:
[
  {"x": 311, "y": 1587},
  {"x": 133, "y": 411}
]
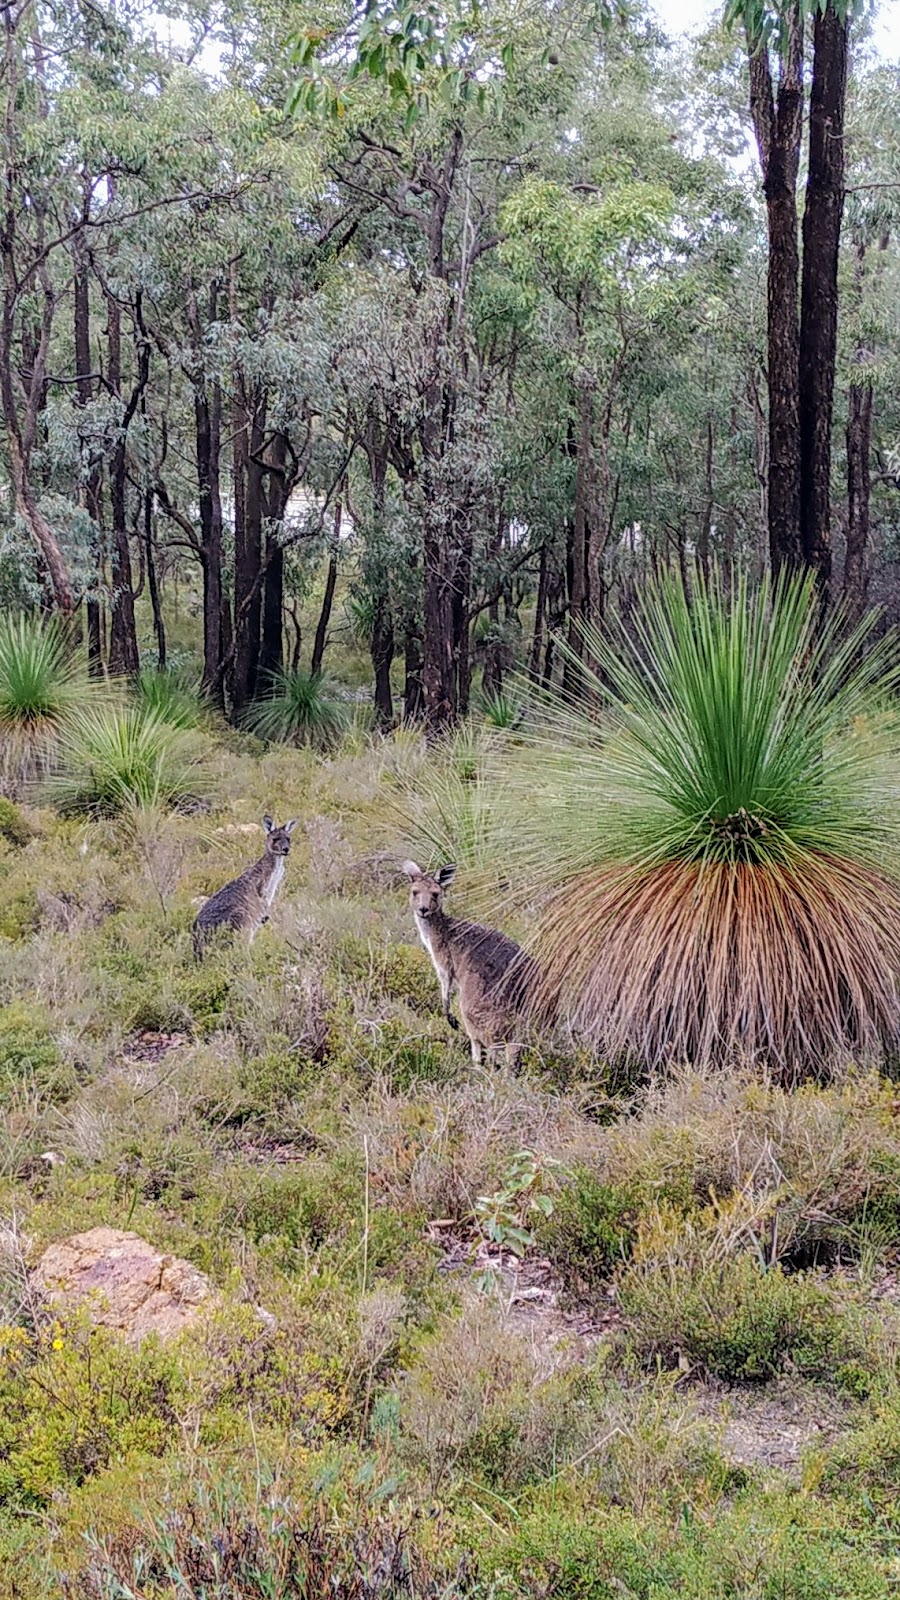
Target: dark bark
[
  {"x": 382, "y": 660},
  {"x": 248, "y": 420},
  {"x": 819, "y": 295},
  {"x": 318, "y": 650},
  {"x": 778, "y": 124},
  {"x": 123, "y": 645},
  {"x": 460, "y": 598},
  {"x": 159, "y": 626},
  {"x": 413, "y": 697},
  {"x": 534, "y": 661},
  {"x": 859, "y": 488},
  {"x": 580, "y": 447},
  {"x": 91, "y": 470}
]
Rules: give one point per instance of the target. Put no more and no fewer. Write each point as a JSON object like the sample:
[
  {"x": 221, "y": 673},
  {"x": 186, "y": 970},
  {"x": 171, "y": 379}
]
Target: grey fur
[
  {"x": 490, "y": 971},
  {"x": 244, "y": 904}
]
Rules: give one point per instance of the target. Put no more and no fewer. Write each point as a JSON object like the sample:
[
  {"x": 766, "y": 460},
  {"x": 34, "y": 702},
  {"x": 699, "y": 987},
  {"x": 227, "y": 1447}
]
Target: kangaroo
[
  {"x": 245, "y": 903},
  {"x": 477, "y": 961}
]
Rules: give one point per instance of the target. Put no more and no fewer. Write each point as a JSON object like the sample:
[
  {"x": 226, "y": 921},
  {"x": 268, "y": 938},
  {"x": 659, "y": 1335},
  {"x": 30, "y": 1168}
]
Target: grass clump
[
  {"x": 718, "y": 854},
  {"x": 115, "y": 759},
  {"x": 13, "y": 827},
  {"x": 40, "y": 685},
  {"x": 735, "y": 1320},
  {"x": 301, "y": 709},
  {"x": 169, "y": 697}
]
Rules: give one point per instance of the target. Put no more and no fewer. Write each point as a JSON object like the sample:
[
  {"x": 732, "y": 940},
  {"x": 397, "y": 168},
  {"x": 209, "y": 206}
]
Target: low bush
[
  {"x": 225, "y": 1542},
  {"x": 735, "y": 1320},
  {"x": 29, "y": 1053},
  {"x": 13, "y": 827},
  {"x": 765, "y": 1546},
  {"x": 171, "y": 697},
  {"x": 589, "y": 1233},
  {"x": 72, "y": 1401},
  {"x": 300, "y": 709}
]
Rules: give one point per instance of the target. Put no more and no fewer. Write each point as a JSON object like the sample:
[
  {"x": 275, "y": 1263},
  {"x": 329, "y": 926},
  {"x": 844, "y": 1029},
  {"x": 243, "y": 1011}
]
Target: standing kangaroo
[
  {"x": 245, "y": 903},
  {"x": 487, "y": 968}
]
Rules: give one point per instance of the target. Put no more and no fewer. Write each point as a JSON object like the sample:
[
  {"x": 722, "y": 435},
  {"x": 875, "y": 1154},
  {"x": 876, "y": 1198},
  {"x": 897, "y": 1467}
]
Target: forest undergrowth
[{"x": 563, "y": 1331}]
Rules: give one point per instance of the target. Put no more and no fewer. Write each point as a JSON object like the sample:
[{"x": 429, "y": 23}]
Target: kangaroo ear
[
  {"x": 445, "y": 875},
  {"x": 290, "y": 826},
  {"x": 268, "y": 824},
  {"x": 410, "y": 868}
]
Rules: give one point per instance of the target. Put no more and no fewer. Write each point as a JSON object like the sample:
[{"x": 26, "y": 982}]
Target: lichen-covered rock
[{"x": 123, "y": 1283}]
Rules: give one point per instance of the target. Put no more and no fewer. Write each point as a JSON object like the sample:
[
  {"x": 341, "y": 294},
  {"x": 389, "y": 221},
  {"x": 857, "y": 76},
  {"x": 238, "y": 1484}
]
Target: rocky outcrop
[{"x": 123, "y": 1283}]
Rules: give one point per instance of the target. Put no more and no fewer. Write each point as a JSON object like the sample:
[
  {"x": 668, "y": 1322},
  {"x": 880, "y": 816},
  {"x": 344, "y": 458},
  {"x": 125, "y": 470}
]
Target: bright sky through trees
[{"x": 686, "y": 15}]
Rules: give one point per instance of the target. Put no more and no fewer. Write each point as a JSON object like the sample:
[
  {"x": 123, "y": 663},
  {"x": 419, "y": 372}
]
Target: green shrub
[
  {"x": 301, "y": 709},
  {"x": 399, "y": 971},
  {"x": 19, "y": 910},
  {"x": 765, "y": 1546},
  {"x": 866, "y": 1462},
  {"x": 13, "y": 827},
  {"x": 74, "y": 1400},
  {"x": 283, "y": 1074},
  {"x": 589, "y": 1233},
  {"x": 738, "y": 797},
  {"x": 734, "y": 1320},
  {"x": 28, "y": 1052},
  {"x": 115, "y": 758},
  {"x": 388, "y": 1049},
  {"x": 225, "y": 1542}
]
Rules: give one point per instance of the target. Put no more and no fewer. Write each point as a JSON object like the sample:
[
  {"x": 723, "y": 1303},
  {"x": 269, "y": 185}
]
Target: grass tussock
[
  {"x": 40, "y": 686},
  {"x": 115, "y": 758},
  {"x": 712, "y": 831}
]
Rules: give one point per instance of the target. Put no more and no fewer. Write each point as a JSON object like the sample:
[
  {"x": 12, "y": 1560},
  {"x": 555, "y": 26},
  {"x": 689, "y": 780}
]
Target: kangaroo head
[
  {"x": 426, "y": 889},
  {"x": 278, "y": 840}
]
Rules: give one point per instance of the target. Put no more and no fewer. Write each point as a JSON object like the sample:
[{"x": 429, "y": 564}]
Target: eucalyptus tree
[
  {"x": 870, "y": 366},
  {"x": 802, "y": 297},
  {"x": 442, "y": 108}
]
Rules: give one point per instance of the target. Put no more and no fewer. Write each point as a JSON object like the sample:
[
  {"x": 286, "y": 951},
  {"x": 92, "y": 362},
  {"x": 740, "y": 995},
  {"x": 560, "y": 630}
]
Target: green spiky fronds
[
  {"x": 115, "y": 758},
  {"x": 714, "y": 834},
  {"x": 301, "y": 709},
  {"x": 40, "y": 684}
]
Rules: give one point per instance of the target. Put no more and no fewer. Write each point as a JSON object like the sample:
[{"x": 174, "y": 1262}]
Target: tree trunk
[
  {"x": 819, "y": 298},
  {"x": 211, "y": 543},
  {"x": 159, "y": 626},
  {"x": 123, "y": 645},
  {"x": 318, "y": 651},
  {"x": 459, "y": 617},
  {"x": 859, "y": 443},
  {"x": 271, "y": 651},
  {"x": 534, "y": 661},
  {"x": 207, "y": 428},
  {"x": 90, "y": 468},
  {"x": 578, "y": 581},
  {"x": 778, "y": 125},
  {"x": 382, "y": 659},
  {"x": 413, "y": 698},
  {"x": 437, "y": 655},
  {"x": 249, "y": 423}
]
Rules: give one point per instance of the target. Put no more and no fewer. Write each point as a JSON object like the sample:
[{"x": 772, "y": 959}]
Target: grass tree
[
  {"x": 301, "y": 709},
  {"x": 713, "y": 834},
  {"x": 40, "y": 682},
  {"x": 119, "y": 758}
]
